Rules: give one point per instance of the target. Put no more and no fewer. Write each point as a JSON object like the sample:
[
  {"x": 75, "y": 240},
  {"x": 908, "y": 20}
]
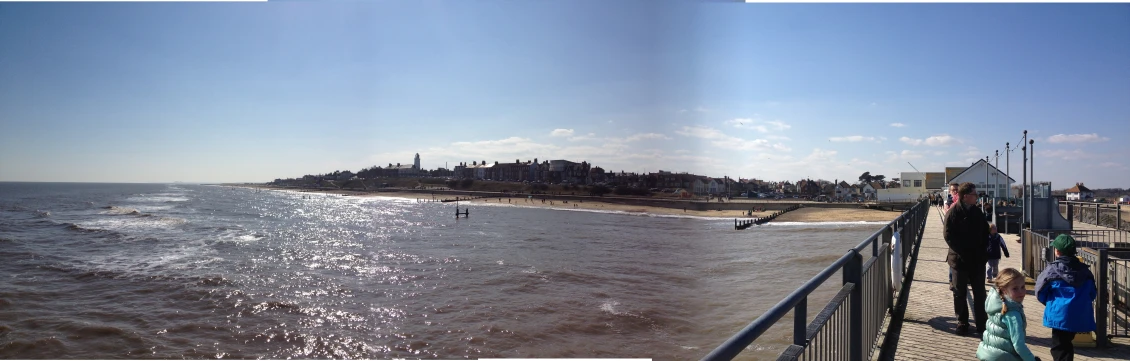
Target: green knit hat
[{"x": 1065, "y": 244}]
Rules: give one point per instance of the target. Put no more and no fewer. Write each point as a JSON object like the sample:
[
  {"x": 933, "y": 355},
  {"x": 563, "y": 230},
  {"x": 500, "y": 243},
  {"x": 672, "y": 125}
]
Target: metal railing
[
  {"x": 1099, "y": 214},
  {"x": 849, "y": 324},
  {"x": 1118, "y": 274},
  {"x": 1109, "y": 260}
]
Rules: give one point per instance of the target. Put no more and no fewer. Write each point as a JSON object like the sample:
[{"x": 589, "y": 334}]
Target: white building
[
  {"x": 989, "y": 180},
  {"x": 913, "y": 180},
  {"x": 1079, "y": 193}
]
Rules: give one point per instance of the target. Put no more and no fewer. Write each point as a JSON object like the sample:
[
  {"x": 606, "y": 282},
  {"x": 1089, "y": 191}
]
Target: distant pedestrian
[
  {"x": 953, "y": 197},
  {"x": 966, "y": 234},
  {"x": 1067, "y": 290},
  {"x": 1005, "y": 331},
  {"x": 996, "y": 246}
]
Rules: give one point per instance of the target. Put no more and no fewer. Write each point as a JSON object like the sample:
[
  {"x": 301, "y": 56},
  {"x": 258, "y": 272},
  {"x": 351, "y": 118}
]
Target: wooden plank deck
[{"x": 927, "y": 332}]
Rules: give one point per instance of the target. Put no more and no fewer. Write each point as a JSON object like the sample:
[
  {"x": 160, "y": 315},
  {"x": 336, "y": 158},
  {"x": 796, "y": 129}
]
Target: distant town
[{"x": 536, "y": 176}]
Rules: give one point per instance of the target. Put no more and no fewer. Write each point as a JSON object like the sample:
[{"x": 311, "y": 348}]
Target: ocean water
[{"x": 101, "y": 271}]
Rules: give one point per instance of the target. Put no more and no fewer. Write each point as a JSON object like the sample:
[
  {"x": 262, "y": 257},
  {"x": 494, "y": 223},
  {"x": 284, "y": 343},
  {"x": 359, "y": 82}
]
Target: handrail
[
  {"x": 754, "y": 330},
  {"x": 851, "y": 263}
]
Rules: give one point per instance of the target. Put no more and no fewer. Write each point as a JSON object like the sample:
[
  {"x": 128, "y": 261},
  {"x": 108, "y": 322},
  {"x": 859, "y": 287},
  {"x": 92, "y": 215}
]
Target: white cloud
[
  {"x": 820, "y": 155},
  {"x": 642, "y": 136},
  {"x": 1111, "y": 165},
  {"x": 1077, "y": 138},
  {"x": 561, "y": 132},
  {"x": 778, "y": 125},
  {"x": 1066, "y": 154},
  {"x": 722, "y": 140},
  {"x": 853, "y": 138},
  {"x": 905, "y": 155},
  {"x": 589, "y": 136},
  {"x": 898, "y": 125},
  {"x": 934, "y": 141},
  {"x": 761, "y": 126},
  {"x": 971, "y": 151}
]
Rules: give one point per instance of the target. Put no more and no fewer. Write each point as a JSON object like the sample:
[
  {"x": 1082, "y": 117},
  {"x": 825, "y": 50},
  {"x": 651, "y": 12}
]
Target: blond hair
[{"x": 1004, "y": 278}]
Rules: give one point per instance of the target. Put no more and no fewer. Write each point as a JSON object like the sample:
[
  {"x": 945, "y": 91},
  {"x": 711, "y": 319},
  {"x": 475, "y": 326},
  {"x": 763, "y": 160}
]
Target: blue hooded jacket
[{"x": 1067, "y": 290}]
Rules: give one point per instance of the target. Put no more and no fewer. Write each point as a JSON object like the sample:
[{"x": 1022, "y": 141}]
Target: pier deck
[{"x": 927, "y": 332}]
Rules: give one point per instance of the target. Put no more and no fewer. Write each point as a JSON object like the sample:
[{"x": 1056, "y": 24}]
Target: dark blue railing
[{"x": 849, "y": 324}]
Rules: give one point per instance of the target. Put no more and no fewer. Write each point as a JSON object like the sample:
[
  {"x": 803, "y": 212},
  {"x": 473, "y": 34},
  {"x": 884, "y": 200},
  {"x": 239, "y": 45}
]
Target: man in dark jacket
[
  {"x": 1067, "y": 290},
  {"x": 967, "y": 235}
]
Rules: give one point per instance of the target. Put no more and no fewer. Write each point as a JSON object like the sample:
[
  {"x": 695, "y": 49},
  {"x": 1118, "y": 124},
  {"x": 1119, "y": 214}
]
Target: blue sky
[{"x": 235, "y": 92}]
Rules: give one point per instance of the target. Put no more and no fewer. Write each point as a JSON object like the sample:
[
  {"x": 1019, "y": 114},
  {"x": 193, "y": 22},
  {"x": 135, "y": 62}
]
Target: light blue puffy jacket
[{"x": 1003, "y": 339}]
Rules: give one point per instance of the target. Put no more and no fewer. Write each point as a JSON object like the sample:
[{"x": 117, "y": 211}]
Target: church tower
[{"x": 416, "y": 163}]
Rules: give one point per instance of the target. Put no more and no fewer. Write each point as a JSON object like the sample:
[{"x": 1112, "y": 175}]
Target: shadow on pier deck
[{"x": 926, "y": 331}]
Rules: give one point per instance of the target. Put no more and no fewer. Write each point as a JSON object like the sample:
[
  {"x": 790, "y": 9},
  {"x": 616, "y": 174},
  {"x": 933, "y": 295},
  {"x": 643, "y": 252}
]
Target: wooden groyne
[
  {"x": 461, "y": 199},
  {"x": 762, "y": 220}
]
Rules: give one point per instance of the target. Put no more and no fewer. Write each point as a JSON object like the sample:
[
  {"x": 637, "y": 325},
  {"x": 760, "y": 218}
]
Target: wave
[
  {"x": 120, "y": 210},
  {"x": 85, "y": 271},
  {"x": 164, "y": 198},
  {"x": 238, "y": 236},
  {"x": 139, "y": 221},
  {"x": 48, "y": 348},
  {"x": 91, "y": 230}
]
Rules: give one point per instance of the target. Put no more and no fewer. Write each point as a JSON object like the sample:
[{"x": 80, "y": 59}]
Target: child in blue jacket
[{"x": 1067, "y": 290}]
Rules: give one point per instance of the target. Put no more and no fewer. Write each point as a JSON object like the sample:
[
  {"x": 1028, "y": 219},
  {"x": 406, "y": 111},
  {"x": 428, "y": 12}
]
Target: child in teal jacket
[{"x": 1003, "y": 339}]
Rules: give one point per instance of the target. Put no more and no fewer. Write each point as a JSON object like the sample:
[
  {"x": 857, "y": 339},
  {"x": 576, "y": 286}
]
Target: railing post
[
  {"x": 1101, "y": 311},
  {"x": 888, "y": 232},
  {"x": 800, "y": 324},
  {"x": 853, "y": 273},
  {"x": 1070, "y": 216},
  {"x": 1024, "y": 267}
]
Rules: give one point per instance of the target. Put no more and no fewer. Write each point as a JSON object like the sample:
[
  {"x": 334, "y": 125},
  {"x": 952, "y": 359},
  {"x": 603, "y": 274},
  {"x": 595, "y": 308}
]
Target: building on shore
[
  {"x": 1079, "y": 193},
  {"x": 990, "y": 181}
]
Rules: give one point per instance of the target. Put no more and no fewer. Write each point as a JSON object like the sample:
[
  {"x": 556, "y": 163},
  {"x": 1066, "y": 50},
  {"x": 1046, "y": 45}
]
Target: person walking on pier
[
  {"x": 1006, "y": 330},
  {"x": 966, "y": 233},
  {"x": 996, "y": 245},
  {"x": 953, "y": 198},
  {"x": 1067, "y": 289}
]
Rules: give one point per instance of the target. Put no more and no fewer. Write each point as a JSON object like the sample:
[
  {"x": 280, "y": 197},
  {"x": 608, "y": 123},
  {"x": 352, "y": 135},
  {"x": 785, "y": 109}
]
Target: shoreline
[{"x": 805, "y": 214}]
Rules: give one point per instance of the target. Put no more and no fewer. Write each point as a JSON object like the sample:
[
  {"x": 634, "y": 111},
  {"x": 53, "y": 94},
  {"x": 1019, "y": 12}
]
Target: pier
[
  {"x": 877, "y": 317},
  {"x": 926, "y": 331}
]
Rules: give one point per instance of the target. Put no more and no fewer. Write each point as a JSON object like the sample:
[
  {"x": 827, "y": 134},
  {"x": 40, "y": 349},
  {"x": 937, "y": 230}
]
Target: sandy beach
[{"x": 808, "y": 214}]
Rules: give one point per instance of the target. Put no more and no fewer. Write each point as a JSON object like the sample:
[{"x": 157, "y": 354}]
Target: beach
[{"x": 812, "y": 212}]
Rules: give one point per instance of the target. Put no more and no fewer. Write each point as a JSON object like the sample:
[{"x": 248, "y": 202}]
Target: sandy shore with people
[{"x": 807, "y": 214}]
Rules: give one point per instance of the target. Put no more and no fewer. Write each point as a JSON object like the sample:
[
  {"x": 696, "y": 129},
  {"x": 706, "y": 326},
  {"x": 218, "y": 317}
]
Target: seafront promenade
[{"x": 927, "y": 330}]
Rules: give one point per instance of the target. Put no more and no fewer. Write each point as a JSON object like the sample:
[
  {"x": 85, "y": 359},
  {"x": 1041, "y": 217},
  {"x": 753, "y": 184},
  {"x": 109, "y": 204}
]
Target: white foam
[
  {"x": 238, "y": 236},
  {"x": 149, "y": 209},
  {"x": 132, "y": 223}
]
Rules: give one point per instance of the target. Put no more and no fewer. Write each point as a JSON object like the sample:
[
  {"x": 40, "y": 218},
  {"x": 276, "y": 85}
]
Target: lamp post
[
  {"x": 986, "y": 179},
  {"x": 1024, "y": 181},
  {"x": 1032, "y": 175}
]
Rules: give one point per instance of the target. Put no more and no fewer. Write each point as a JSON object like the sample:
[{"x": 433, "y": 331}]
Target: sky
[{"x": 250, "y": 92}]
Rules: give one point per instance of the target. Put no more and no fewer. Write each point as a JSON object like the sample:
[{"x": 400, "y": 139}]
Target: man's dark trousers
[{"x": 965, "y": 277}]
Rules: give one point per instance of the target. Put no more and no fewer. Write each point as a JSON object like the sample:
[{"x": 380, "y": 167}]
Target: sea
[{"x": 104, "y": 271}]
